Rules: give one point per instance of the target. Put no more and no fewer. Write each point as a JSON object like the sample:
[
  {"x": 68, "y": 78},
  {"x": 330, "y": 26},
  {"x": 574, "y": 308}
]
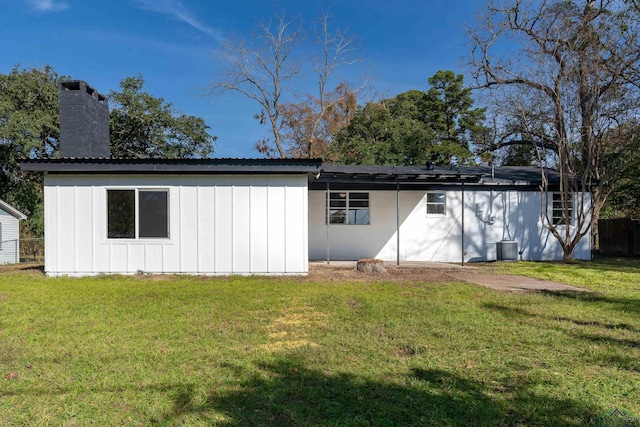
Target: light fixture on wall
[{"x": 479, "y": 214}]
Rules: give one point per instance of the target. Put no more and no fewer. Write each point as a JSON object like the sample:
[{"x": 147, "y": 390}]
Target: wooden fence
[{"x": 620, "y": 237}]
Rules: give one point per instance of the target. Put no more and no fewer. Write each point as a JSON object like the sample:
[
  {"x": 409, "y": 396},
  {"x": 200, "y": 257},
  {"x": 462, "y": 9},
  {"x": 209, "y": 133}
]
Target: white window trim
[
  {"x": 427, "y": 203},
  {"x": 137, "y": 238}
]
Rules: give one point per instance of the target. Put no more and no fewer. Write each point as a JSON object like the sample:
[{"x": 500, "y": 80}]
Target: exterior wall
[
  {"x": 438, "y": 238},
  {"x": 10, "y": 250},
  {"x": 224, "y": 224}
]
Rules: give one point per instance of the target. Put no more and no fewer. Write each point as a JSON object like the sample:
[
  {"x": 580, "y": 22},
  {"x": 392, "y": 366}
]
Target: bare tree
[
  {"x": 572, "y": 66},
  {"x": 269, "y": 69},
  {"x": 262, "y": 70}
]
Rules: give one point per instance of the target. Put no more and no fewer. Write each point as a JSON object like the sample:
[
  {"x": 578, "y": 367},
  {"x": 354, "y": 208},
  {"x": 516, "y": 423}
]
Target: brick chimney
[{"x": 84, "y": 121}]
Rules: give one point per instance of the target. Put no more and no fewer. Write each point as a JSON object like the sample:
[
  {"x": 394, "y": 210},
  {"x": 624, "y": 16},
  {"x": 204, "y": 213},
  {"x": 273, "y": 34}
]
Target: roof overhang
[
  {"x": 173, "y": 166},
  {"x": 339, "y": 177},
  {"x": 11, "y": 210}
]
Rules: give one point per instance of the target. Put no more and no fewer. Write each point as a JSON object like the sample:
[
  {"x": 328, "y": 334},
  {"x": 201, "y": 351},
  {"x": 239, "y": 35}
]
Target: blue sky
[{"x": 172, "y": 44}]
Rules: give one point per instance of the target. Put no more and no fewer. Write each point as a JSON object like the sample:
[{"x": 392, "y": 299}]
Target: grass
[{"x": 179, "y": 350}]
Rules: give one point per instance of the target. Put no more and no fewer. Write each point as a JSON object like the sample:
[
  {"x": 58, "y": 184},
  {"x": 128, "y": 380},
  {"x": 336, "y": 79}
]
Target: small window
[
  {"x": 154, "y": 213},
  {"x": 436, "y": 203},
  {"x": 121, "y": 214},
  {"x": 348, "y": 208},
  {"x": 149, "y": 207},
  {"x": 557, "y": 217}
]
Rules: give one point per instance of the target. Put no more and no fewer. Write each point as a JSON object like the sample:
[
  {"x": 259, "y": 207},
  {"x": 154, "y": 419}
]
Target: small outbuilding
[{"x": 10, "y": 233}]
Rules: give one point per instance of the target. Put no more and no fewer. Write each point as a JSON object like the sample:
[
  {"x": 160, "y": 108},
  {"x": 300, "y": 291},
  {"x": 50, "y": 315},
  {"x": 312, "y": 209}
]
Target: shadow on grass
[
  {"x": 624, "y": 265},
  {"x": 629, "y": 305},
  {"x": 285, "y": 392},
  {"x": 509, "y": 311}
]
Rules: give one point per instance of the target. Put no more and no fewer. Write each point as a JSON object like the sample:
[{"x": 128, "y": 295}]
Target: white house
[
  {"x": 267, "y": 216},
  {"x": 9, "y": 233},
  {"x": 261, "y": 216},
  {"x": 409, "y": 213}
]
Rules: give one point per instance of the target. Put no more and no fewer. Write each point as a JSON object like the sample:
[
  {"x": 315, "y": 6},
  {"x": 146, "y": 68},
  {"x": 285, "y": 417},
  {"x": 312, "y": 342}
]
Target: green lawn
[{"x": 271, "y": 351}]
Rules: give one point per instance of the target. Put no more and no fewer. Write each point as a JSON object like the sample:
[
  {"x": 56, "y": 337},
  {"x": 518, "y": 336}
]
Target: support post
[
  {"x": 397, "y": 221},
  {"x": 462, "y": 234},
  {"x": 328, "y": 220}
]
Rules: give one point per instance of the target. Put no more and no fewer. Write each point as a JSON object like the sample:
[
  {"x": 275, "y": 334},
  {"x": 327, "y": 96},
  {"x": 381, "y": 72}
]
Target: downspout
[
  {"x": 397, "y": 221},
  {"x": 327, "y": 210},
  {"x": 462, "y": 234}
]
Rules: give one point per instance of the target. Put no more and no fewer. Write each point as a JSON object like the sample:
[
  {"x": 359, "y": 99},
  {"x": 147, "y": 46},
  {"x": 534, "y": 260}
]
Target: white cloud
[
  {"x": 48, "y": 5},
  {"x": 176, "y": 10}
]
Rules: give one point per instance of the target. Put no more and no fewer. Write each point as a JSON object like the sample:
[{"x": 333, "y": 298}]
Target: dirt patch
[
  {"x": 328, "y": 273},
  {"x": 32, "y": 267}
]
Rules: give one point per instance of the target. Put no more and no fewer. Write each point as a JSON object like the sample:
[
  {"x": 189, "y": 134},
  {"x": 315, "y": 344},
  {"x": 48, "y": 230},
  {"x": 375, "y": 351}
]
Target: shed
[{"x": 10, "y": 233}]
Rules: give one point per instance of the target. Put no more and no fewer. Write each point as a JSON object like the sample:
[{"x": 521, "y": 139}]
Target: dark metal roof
[
  {"x": 185, "y": 166},
  {"x": 523, "y": 175},
  {"x": 377, "y": 174},
  {"x": 319, "y": 174}
]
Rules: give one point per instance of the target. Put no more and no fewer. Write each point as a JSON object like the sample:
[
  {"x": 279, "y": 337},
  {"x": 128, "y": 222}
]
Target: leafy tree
[
  {"x": 308, "y": 127},
  {"x": 413, "y": 127},
  {"x": 568, "y": 69},
  {"x": 144, "y": 126},
  {"x": 451, "y": 117},
  {"x": 29, "y": 128},
  {"x": 623, "y": 201}
]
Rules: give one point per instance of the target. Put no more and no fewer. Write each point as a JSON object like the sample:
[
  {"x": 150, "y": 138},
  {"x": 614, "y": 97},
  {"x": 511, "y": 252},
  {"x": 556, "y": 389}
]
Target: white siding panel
[
  {"x": 259, "y": 227},
  {"x": 295, "y": 234},
  {"x": 119, "y": 255},
  {"x": 276, "y": 226},
  {"x": 102, "y": 253},
  {"x": 84, "y": 229},
  {"x": 153, "y": 256},
  {"x": 10, "y": 248},
  {"x": 189, "y": 229},
  {"x": 224, "y": 228},
  {"x": 206, "y": 229},
  {"x": 51, "y": 229},
  {"x": 171, "y": 258},
  {"x": 67, "y": 228},
  {"x": 241, "y": 227},
  {"x": 136, "y": 261}
]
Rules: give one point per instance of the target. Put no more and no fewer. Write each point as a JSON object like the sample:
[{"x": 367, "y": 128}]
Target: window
[
  {"x": 348, "y": 208},
  {"x": 436, "y": 203},
  {"x": 557, "y": 217},
  {"x": 149, "y": 207}
]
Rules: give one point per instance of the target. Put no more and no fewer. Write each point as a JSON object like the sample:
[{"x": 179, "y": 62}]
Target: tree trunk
[{"x": 371, "y": 265}]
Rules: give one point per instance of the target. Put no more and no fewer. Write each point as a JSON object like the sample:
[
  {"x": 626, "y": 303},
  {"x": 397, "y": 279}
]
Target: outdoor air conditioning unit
[{"x": 507, "y": 250}]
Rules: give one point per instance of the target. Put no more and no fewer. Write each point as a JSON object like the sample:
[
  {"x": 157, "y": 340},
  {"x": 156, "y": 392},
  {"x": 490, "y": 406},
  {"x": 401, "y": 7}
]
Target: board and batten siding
[
  {"x": 218, "y": 224},
  {"x": 9, "y": 232},
  {"x": 426, "y": 237}
]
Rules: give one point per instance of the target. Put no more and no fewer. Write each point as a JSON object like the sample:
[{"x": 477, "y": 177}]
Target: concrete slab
[
  {"x": 391, "y": 264},
  {"x": 507, "y": 282}
]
